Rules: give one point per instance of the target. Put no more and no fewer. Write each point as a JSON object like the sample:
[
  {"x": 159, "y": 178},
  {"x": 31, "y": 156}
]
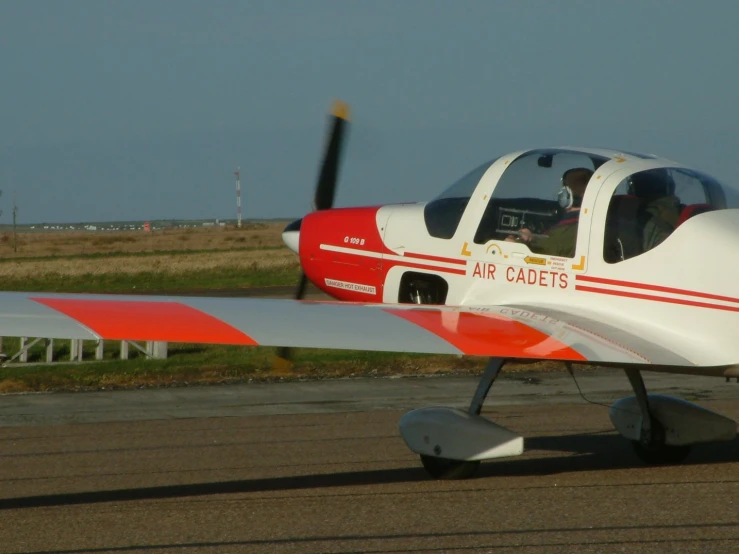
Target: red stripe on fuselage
[
  {"x": 656, "y": 288},
  {"x": 389, "y": 264},
  {"x": 435, "y": 258},
  {"x": 665, "y": 299},
  {"x": 489, "y": 334},
  {"x": 147, "y": 320}
]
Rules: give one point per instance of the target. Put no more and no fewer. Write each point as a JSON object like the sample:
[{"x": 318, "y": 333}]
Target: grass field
[
  {"x": 79, "y": 243},
  {"x": 172, "y": 260}
]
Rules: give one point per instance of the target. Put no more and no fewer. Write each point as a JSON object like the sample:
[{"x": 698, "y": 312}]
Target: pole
[
  {"x": 15, "y": 213},
  {"x": 238, "y": 196}
]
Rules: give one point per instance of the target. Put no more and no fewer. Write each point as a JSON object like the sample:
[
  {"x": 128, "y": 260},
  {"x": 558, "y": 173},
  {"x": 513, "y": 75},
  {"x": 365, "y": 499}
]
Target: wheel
[
  {"x": 444, "y": 468},
  {"x": 660, "y": 455}
]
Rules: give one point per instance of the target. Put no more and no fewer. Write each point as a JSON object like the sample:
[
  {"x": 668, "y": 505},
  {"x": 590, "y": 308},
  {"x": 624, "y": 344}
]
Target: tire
[
  {"x": 444, "y": 468},
  {"x": 661, "y": 455}
]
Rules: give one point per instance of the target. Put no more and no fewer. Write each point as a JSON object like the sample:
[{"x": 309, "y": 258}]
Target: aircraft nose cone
[{"x": 291, "y": 236}]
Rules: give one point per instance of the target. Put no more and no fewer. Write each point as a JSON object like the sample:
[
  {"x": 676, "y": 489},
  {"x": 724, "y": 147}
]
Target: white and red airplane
[{"x": 627, "y": 266}]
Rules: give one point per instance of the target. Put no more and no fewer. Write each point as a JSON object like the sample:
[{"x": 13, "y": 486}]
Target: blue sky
[{"x": 135, "y": 109}]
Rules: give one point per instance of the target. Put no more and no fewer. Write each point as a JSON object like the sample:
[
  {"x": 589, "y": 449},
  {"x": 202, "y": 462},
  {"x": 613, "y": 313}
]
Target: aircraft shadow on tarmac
[{"x": 582, "y": 452}]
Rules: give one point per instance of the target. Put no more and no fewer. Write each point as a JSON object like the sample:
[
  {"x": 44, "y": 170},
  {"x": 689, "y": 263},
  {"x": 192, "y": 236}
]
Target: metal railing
[{"x": 150, "y": 349}]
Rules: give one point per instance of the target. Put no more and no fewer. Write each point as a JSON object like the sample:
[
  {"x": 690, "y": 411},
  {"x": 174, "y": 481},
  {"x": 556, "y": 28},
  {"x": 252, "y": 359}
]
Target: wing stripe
[
  {"x": 147, "y": 320},
  {"x": 474, "y": 333}
]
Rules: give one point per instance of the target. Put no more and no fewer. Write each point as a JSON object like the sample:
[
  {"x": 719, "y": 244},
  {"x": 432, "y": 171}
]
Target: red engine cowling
[{"x": 341, "y": 253}]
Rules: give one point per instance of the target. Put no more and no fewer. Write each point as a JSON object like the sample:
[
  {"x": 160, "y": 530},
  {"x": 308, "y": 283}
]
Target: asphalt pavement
[{"x": 319, "y": 467}]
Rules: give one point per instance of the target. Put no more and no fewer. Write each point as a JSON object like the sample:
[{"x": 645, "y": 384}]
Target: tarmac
[{"x": 318, "y": 466}]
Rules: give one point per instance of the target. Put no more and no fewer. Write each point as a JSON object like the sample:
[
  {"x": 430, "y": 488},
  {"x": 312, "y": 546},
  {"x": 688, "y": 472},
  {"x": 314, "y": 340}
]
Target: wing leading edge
[{"x": 498, "y": 331}]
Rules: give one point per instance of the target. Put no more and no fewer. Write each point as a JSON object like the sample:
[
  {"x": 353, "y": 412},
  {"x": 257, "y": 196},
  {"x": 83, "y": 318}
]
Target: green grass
[
  {"x": 207, "y": 364},
  {"x": 228, "y": 278}
]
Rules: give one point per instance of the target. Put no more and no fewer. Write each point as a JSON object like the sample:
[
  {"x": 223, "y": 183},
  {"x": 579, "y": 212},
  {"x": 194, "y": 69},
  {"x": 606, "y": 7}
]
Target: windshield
[
  {"x": 526, "y": 205},
  {"x": 443, "y": 213}
]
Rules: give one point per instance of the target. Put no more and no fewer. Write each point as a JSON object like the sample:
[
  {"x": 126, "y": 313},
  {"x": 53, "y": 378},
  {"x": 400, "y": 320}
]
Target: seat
[
  {"x": 692, "y": 209},
  {"x": 623, "y": 233}
]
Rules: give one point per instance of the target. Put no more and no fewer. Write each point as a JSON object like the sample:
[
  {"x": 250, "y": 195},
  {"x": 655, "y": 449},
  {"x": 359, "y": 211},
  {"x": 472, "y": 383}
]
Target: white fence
[{"x": 151, "y": 349}]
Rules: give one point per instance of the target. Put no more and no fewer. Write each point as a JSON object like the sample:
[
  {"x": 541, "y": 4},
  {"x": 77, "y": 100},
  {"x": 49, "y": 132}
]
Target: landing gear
[
  {"x": 445, "y": 468},
  {"x": 486, "y": 382},
  {"x": 661, "y": 428},
  {"x": 651, "y": 447},
  {"x": 451, "y": 443}
]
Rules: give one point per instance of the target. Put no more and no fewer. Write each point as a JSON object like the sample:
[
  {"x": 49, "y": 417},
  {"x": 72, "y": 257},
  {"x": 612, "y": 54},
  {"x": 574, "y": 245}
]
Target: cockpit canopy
[
  {"x": 526, "y": 199},
  {"x": 533, "y": 200},
  {"x": 647, "y": 206},
  {"x": 526, "y": 195}
]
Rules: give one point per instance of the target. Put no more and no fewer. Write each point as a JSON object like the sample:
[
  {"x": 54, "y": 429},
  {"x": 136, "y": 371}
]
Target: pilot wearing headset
[{"x": 561, "y": 239}]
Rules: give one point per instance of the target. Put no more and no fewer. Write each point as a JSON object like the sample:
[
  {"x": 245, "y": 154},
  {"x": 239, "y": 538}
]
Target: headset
[{"x": 565, "y": 197}]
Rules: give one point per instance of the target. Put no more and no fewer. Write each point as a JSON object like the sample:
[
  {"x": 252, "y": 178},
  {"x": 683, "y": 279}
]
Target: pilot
[
  {"x": 560, "y": 240},
  {"x": 660, "y": 208}
]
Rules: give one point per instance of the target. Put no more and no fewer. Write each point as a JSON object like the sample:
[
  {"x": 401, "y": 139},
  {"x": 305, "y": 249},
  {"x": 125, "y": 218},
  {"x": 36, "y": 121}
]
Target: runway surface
[{"x": 319, "y": 467}]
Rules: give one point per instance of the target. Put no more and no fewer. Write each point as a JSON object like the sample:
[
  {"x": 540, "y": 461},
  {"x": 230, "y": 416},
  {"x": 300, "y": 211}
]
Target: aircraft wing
[{"x": 498, "y": 331}]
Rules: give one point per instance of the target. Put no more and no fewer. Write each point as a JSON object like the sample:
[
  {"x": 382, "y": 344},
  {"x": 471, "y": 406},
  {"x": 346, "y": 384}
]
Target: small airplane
[{"x": 581, "y": 255}]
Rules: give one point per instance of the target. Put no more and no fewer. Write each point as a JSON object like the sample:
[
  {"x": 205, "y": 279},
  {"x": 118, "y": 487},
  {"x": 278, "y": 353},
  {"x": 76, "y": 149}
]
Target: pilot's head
[
  {"x": 574, "y": 182},
  {"x": 652, "y": 183}
]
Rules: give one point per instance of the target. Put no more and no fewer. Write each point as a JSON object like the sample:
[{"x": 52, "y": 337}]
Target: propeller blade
[
  {"x": 327, "y": 178},
  {"x": 285, "y": 352},
  {"x": 323, "y": 198},
  {"x": 302, "y": 285}
]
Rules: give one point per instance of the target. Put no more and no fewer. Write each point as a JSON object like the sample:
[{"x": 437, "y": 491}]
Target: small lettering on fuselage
[
  {"x": 356, "y": 287},
  {"x": 523, "y": 314}
]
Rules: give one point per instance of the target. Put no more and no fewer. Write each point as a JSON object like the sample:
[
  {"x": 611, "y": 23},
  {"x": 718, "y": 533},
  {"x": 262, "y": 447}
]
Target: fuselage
[{"x": 465, "y": 248}]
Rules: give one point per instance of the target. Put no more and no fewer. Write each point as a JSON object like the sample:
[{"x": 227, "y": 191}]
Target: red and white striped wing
[{"x": 500, "y": 331}]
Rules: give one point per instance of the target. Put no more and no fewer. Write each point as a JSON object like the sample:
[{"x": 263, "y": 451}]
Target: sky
[{"x": 139, "y": 109}]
